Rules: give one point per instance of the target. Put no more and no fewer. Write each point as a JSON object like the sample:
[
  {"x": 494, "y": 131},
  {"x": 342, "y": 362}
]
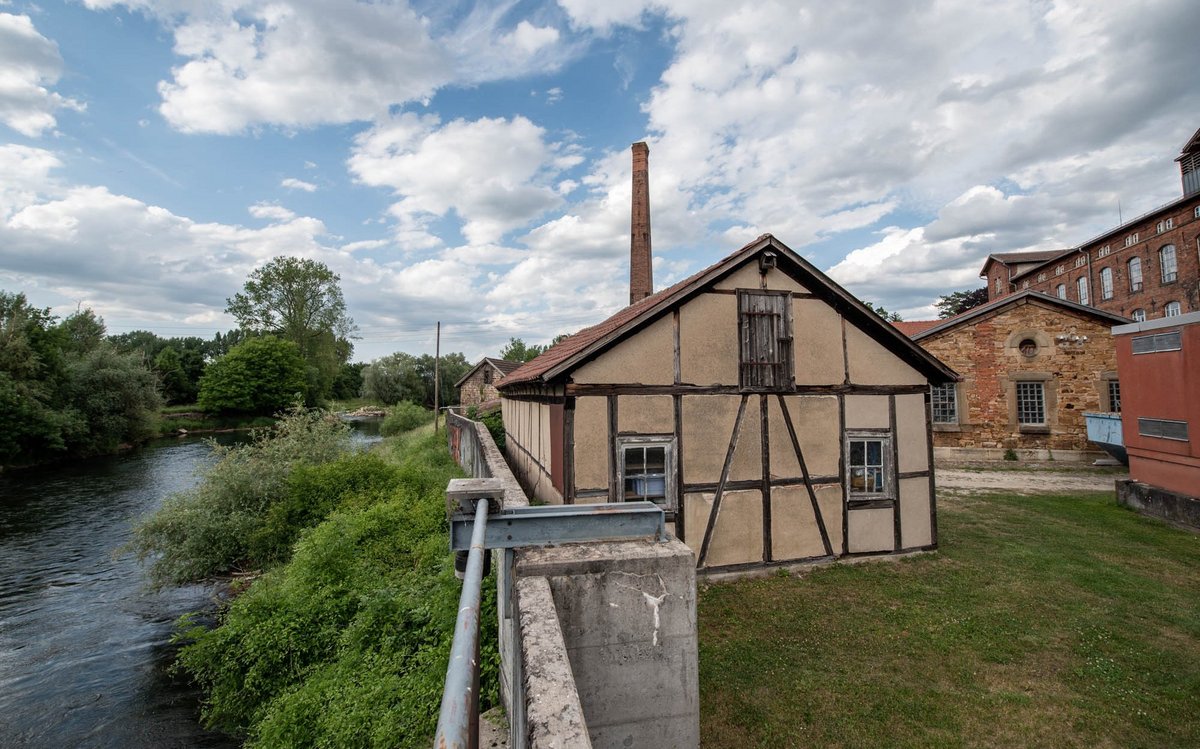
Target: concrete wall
[{"x": 598, "y": 646}]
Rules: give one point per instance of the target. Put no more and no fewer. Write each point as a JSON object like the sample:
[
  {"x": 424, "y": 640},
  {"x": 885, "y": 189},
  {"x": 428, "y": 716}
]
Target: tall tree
[
  {"x": 959, "y": 302},
  {"x": 261, "y": 375},
  {"x": 518, "y": 350},
  {"x": 299, "y": 300},
  {"x": 879, "y": 310}
]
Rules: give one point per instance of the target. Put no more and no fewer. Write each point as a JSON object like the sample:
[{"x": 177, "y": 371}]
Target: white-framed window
[
  {"x": 1081, "y": 285},
  {"x": 943, "y": 402},
  {"x": 1106, "y": 283},
  {"x": 646, "y": 469},
  {"x": 868, "y": 466},
  {"x": 1060, "y": 270},
  {"x": 1135, "y": 274},
  {"x": 1041, "y": 277},
  {"x": 1196, "y": 212},
  {"x": 1131, "y": 240},
  {"x": 765, "y": 330},
  {"x": 1166, "y": 261},
  {"x": 1061, "y": 291},
  {"x": 999, "y": 285},
  {"x": 1080, "y": 261},
  {"x": 1166, "y": 224},
  {"x": 1172, "y": 309},
  {"x": 1139, "y": 315},
  {"x": 1025, "y": 284},
  {"x": 1031, "y": 403},
  {"x": 1104, "y": 251}
]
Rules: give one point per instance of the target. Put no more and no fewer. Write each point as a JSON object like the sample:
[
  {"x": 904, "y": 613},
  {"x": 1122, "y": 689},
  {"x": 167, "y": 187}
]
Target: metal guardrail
[{"x": 478, "y": 522}]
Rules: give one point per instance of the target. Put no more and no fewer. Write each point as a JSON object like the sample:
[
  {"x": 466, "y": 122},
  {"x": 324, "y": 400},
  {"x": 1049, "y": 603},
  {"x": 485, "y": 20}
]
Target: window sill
[
  {"x": 870, "y": 503},
  {"x": 1033, "y": 429},
  {"x": 947, "y": 427}
]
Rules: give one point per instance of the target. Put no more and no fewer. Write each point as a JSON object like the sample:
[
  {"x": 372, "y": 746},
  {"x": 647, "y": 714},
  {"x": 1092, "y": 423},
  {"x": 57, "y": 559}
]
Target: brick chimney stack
[{"x": 641, "y": 271}]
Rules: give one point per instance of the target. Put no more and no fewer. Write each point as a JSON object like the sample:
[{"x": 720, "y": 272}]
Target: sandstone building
[
  {"x": 1145, "y": 268},
  {"x": 479, "y": 384},
  {"x": 1031, "y": 365}
]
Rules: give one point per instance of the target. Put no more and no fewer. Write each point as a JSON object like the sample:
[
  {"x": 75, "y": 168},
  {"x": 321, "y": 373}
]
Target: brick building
[
  {"x": 479, "y": 384},
  {"x": 1031, "y": 365},
  {"x": 1143, "y": 269}
]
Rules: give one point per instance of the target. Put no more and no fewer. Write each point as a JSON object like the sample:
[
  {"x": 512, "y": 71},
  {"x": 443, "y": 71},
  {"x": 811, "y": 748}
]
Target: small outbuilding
[
  {"x": 479, "y": 384},
  {"x": 1031, "y": 365},
  {"x": 773, "y": 416},
  {"x": 1159, "y": 363}
]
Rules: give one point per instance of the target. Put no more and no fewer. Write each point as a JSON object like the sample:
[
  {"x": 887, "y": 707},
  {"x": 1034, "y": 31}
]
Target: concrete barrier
[{"x": 598, "y": 640}]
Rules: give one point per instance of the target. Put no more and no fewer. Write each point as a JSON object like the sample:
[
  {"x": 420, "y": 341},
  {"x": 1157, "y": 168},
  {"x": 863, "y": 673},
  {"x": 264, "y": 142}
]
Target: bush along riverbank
[{"x": 343, "y": 638}]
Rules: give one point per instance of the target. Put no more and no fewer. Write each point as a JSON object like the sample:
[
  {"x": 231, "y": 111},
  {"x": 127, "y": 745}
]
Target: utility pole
[{"x": 437, "y": 383}]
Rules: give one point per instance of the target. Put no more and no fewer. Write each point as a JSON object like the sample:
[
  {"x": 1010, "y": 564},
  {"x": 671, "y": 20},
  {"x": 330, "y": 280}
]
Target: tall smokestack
[{"x": 641, "y": 272}]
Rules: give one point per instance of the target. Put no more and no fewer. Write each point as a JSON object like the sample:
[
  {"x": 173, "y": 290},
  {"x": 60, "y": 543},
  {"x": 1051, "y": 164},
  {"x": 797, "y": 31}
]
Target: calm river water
[{"x": 84, "y": 646}]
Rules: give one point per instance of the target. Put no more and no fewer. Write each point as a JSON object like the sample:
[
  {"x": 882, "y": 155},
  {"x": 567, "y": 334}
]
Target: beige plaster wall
[
  {"x": 645, "y": 414},
  {"x": 647, "y": 358},
  {"x": 591, "y": 443},
  {"x": 817, "y": 335},
  {"x": 818, "y": 431},
  {"x": 737, "y": 536},
  {"x": 748, "y": 277},
  {"x": 708, "y": 422},
  {"x": 915, "y": 529},
  {"x": 912, "y": 440},
  {"x": 872, "y": 364},
  {"x": 794, "y": 530},
  {"x": 872, "y": 530},
  {"x": 868, "y": 412},
  {"x": 708, "y": 341}
]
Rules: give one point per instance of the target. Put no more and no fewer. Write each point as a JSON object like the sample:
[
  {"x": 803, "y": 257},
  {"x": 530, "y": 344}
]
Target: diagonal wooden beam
[
  {"x": 812, "y": 494},
  {"x": 712, "y": 518}
]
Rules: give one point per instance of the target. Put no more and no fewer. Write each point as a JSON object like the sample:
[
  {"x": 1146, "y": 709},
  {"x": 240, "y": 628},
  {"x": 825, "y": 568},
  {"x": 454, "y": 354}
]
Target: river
[{"x": 84, "y": 645}]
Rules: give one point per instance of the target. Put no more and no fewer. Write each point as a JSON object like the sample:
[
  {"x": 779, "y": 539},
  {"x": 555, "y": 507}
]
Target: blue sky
[{"x": 469, "y": 162}]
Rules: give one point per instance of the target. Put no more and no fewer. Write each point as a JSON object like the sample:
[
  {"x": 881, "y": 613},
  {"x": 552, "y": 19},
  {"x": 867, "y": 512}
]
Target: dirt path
[{"x": 1027, "y": 481}]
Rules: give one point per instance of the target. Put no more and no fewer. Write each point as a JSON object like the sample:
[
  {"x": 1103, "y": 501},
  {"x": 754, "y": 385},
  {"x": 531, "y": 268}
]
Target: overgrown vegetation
[
  {"x": 261, "y": 375},
  {"x": 1043, "y": 621},
  {"x": 404, "y": 417},
  {"x": 65, "y": 390},
  {"x": 402, "y": 377},
  {"x": 343, "y": 640},
  {"x": 220, "y": 525}
]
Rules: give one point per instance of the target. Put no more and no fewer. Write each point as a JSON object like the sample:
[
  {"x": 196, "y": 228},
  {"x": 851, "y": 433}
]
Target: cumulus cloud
[
  {"x": 495, "y": 175},
  {"x": 292, "y": 183},
  {"x": 271, "y": 212},
  {"x": 29, "y": 65}
]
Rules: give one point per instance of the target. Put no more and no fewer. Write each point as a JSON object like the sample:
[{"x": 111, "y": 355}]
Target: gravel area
[{"x": 1037, "y": 479}]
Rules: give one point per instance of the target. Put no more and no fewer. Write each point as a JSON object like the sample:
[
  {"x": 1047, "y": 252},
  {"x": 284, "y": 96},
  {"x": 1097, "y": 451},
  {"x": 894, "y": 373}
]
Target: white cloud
[
  {"x": 29, "y": 64},
  {"x": 292, "y": 183},
  {"x": 271, "y": 211},
  {"x": 493, "y": 174}
]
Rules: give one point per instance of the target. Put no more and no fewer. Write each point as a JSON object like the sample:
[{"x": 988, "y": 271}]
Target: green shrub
[
  {"x": 404, "y": 417},
  {"x": 208, "y": 530},
  {"x": 1010, "y": 454},
  {"x": 346, "y": 644},
  {"x": 258, "y": 376},
  {"x": 494, "y": 422}
]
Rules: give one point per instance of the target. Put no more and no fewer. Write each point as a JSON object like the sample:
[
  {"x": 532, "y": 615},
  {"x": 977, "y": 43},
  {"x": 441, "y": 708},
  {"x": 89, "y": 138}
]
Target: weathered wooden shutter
[{"x": 766, "y": 340}]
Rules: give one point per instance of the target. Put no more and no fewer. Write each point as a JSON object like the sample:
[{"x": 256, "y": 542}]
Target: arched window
[
  {"x": 1061, "y": 290},
  {"x": 1135, "y": 274},
  {"x": 1106, "y": 284},
  {"x": 1139, "y": 315},
  {"x": 1166, "y": 259},
  {"x": 1082, "y": 287},
  {"x": 1172, "y": 310}
]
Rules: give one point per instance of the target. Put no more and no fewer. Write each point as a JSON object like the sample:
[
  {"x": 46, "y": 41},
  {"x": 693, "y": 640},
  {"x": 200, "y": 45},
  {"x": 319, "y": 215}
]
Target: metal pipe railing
[{"x": 458, "y": 721}]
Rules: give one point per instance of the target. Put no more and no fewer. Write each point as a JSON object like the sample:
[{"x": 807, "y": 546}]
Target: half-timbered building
[{"x": 774, "y": 417}]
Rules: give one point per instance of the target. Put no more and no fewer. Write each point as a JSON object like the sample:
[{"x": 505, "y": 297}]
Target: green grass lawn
[{"x": 1057, "y": 621}]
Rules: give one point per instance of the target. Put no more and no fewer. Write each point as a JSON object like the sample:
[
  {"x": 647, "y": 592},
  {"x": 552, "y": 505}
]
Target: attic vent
[
  {"x": 1167, "y": 429},
  {"x": 1149, "y": 344}
]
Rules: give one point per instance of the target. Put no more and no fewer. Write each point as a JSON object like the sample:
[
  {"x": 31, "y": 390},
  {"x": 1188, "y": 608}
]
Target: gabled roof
[
  {"x": 591, "y": 342},
  {"x": 1021, "y": 258},
  {"x": 503, "y": 366},
  {"x": 1023, "y": 297},
  {"x": 1192, "y": 145}
]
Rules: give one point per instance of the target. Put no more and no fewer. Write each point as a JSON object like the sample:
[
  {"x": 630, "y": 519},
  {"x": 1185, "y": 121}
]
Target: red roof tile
[{"x": 912, "y": 327}]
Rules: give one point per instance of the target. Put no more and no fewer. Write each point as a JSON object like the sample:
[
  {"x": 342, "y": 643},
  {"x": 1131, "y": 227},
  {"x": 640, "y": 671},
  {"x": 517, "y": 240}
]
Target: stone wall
[
  {"x": 987, "y": 353},
  {"x": 475, "y": 390}
]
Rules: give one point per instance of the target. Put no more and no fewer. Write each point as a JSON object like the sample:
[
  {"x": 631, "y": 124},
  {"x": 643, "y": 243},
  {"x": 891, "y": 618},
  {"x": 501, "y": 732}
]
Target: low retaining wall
[
  {"x": 598, "y": 640},
  {"x": 1160, "y": 503}
]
